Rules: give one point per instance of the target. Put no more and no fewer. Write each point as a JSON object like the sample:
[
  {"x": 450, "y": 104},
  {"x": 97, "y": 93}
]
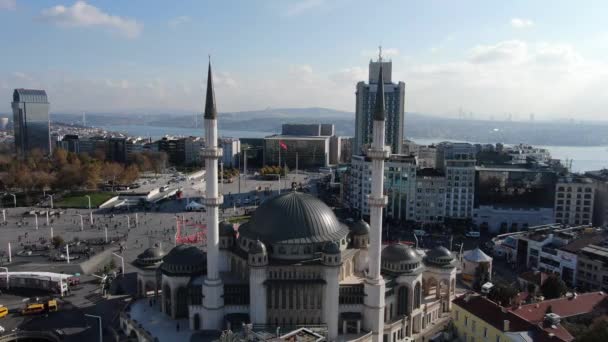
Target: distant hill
[{"x": 416, "y": 125}]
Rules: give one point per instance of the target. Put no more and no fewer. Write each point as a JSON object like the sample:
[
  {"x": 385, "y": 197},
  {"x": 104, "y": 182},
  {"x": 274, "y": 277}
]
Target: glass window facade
[{"x": 31, "y": 121}]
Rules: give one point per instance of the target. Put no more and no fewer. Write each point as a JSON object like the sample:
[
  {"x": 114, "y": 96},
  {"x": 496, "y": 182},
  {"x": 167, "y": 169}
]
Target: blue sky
[{"x": 490, "y": 58}]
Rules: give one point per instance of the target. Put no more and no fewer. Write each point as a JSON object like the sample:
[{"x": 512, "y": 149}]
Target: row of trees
[
  {"x": 273, "y": 170},
  {"x": 70, "y": 171}
]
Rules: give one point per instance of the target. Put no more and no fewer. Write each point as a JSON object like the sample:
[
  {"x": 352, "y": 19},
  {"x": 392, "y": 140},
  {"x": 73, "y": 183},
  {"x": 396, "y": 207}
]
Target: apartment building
[{"x": 574, "y": 197}]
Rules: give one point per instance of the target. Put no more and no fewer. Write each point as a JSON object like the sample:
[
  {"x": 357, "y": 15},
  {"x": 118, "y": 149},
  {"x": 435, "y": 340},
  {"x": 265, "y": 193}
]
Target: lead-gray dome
[
  {"x": 185, "y": 259},
  {"x": 399, "y": 252},
  {"x": 293, "y": 218},
  {"x": 226, "y": 228},
  {"x": 440, "y": 256},
  {"x": 257, "y": 247},
  {"x": 360, "y": 228},
  {"x": 331, "y": 248},
  {"x": 150, "y": 257}
]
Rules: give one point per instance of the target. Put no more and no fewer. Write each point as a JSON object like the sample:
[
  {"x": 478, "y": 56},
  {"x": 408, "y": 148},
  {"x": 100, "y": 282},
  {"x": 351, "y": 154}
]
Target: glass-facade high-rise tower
[
  {"x": 31, "y": 121},
  {"x": 394, "y": 95}
]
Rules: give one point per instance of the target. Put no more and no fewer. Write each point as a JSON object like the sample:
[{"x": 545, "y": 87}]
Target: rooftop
[
  {"x": 491, "y": 313},
  {"x": 536, "y": 277},
  {"x": 584, "y": 241}
]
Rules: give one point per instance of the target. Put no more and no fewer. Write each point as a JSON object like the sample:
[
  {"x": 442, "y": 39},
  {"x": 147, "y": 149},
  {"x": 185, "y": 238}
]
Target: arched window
[
  {"x": 417, "y": 295},
  {"x": 402, "y": 300}
]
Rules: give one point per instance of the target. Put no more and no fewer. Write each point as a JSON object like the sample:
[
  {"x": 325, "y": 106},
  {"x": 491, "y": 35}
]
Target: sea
[{"x": 584, "y": 158}]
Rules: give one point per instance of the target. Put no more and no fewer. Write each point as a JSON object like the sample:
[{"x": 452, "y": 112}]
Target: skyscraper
[
  {"x": 31, "y": 121},
  {"x": 394, "y": 94}
]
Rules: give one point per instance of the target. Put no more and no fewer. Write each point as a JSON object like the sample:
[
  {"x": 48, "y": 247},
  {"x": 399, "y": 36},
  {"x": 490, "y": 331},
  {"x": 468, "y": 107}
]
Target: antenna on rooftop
[{"x": 379, "y": 53}]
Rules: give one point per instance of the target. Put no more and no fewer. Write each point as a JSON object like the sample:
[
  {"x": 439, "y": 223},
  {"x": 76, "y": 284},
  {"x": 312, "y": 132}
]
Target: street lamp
[
  {"x": 122, "y": 261},
  {"x": 100, "y": 328},
  {"x": 36, "y": 218},
  {"x": 89, "y": 197},
  {"x": 6, "y": 271},
  {"x": 81, "y": 222},
  {"x": 128, "y": 221},
  {"x": 51, "y": 196}
]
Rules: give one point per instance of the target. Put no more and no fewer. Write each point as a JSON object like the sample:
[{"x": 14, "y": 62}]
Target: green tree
[
  {"x": 57, "y": 241},
  {"x": 553, "y": 287},
  {"x": 597, "y": 333},
  {"x": 482, "y": 276},
  {"x": 502, "y": 294}
]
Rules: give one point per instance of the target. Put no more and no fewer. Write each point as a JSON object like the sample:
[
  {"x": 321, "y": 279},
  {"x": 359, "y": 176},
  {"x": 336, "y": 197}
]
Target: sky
[{"x": 487, "y": 59}]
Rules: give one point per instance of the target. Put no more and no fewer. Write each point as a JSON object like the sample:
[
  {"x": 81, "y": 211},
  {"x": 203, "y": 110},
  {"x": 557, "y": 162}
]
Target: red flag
[{"x": 282, "y": 144}]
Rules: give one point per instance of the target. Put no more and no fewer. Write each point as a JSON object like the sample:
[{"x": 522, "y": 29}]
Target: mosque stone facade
[{"x": 295, "y": 264}]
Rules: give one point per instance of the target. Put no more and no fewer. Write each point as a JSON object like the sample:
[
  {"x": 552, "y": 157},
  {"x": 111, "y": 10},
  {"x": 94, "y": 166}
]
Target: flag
[{"x": 282, "y": 144}]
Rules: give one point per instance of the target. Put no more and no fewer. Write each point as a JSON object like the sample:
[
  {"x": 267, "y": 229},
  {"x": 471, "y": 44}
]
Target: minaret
[
  {"x": 374, "y": 283},
  {"x": 213, "y": 289}
]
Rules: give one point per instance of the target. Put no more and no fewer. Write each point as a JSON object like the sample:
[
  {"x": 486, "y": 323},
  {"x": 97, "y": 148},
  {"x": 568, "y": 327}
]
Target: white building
[
  {"x": 460, "y": 176},
  {"x": 232, "y": 152},
  {"x": 496, "y": 218},
  {"x": 574, "y": 200},
  {"x": 431, "y": 189},
  {"x": 400, "y": 185}
]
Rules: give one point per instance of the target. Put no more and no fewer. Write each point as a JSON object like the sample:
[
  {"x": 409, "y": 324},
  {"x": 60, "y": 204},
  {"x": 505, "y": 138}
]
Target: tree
[
  {"x": 91, "y": 173},
  {"x": 597, "y": 333},
  {"x": 130, "y": 174},
  {"x": 60, "y": 157},
  {"x": 111, "y": 172},
  {"x": 553, "y": 287},
  {"x": 57, "y": 241},
  {"x": 531, "y": 288},
  {"x": 482, "y": 276},
  {"x": 502, "y": 294}
]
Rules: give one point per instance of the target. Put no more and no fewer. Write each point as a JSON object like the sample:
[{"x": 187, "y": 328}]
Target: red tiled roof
[
  {"x": 564, "y": 307},
  {"x": 492, "y": 313}
]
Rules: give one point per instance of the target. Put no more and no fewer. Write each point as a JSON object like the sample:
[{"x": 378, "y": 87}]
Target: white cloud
[
  {"x": 511, "y": 51},
  {"x": 8, "y": 4},
  {"x": 178, "y": 21},
  {"x": 299, "y": 7},
  {"x": 81, "y": 14},
  {"x": 520, "y": 77},
  {"x": 520, "y": 23}
]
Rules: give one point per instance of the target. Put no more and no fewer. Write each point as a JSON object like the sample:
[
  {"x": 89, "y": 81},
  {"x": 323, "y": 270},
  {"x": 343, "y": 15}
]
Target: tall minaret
[
  {"x": 374, "y": 283},
  {"x": 213, "y": 289}
]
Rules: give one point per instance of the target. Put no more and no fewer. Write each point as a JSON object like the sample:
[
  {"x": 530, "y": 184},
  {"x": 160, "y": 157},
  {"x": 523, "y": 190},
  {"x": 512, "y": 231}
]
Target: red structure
[{"x": 184, "y": 227}]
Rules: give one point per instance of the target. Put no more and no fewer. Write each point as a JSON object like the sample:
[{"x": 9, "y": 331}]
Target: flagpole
[{"x": 280, "y": 153}]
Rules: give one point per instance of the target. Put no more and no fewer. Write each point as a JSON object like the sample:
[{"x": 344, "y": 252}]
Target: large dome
[{"x": 294, "y": 218}]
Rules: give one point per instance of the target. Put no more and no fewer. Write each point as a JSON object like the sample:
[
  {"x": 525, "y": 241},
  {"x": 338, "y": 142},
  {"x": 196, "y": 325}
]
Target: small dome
[
  {"x": 399, "y": 252},
  {"x": 360, "y": 228},
  {"x": 331, "y": 248},
  {"x": 439, "y": 252},
  {"x": 257, "y": 247},
  {"x": 152, "y": 253},
  {"x": 440, "y": 256},
  {"x": 226, "y": 228}
]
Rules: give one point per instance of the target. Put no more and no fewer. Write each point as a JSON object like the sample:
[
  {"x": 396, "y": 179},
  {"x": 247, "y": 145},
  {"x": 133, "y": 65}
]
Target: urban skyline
[{"x": 118, "y": 54}]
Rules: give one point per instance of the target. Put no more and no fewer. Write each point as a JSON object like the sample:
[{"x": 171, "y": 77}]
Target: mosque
[{"x": 294, "y": 265}]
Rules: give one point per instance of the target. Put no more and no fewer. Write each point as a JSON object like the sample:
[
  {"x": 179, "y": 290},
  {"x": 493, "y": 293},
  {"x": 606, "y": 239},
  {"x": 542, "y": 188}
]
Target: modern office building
[
  {"x": 394, "y": 94},
  {"x": 574, "y": 200},
  {"x": 315, "y": 130},
  {"x": 399, "y": 185},
  {"x": 431, "y": 189},
  {"x": 310, "y": 151},
  {"x": 232, "y": 152},
  {"x": 31, "y": 123},
  {"x": 427, "y": 156},
  {"x": 600, "y": 207},
  {"x": 458, "y": 161}
]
